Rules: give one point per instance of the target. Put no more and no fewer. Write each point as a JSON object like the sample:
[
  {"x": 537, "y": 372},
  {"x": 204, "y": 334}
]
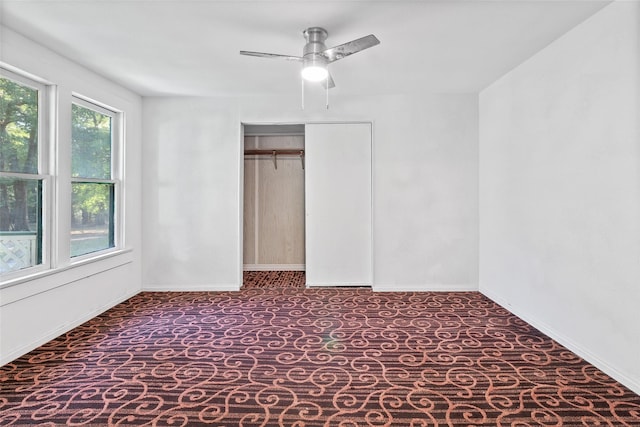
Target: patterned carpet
[{"x": 279, "y": 354}]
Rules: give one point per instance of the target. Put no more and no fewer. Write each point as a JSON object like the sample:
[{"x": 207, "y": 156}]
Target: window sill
[
  {"x": 96, "y": 257},
  {"x": 32, "y": 284}
]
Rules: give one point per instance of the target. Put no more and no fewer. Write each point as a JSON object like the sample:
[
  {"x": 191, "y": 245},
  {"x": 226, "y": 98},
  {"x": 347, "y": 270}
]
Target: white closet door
[{"x": 338, "y": 204}]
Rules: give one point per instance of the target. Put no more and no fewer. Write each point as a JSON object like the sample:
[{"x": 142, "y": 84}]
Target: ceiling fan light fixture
[
  {"x": 315, "y": 73},
  {"x": 314, "y": 68}
]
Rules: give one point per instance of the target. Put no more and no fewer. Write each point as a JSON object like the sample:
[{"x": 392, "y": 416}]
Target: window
[
  {"x": 93, "y": 183},
  {"x": 43, "y": 198},
  {"x": 22, "y": 180}
]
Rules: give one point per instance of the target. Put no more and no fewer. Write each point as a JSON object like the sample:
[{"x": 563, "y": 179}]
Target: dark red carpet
[{"x": 279, "y": 354}]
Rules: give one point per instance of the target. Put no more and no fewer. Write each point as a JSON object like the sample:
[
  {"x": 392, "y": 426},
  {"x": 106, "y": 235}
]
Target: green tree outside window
[{"x": 20, "y": 193}]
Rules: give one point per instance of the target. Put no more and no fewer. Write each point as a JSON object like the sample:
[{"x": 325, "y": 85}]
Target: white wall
[
  {"x": 560, "y": 191},
  {"x": 425, "y": 186},
  {"x": 35, "y": 311}
]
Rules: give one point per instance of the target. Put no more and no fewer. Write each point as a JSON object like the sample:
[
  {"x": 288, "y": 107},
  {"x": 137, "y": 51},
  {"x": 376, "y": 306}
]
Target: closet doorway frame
[{"x": 240, "y": 181}]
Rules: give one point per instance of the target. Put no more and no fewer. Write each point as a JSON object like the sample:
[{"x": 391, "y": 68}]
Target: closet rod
[{"x": 272, "y": 152}]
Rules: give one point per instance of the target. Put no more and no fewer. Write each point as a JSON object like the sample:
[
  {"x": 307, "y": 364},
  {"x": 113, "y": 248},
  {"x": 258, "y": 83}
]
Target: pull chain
[{"x": 327, "y": 86}]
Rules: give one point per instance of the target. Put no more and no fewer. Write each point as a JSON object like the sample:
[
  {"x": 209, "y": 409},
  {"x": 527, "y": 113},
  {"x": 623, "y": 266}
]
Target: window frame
[
  {"x": 43, "y": 174},
  {"x": 116, "y": 179}
]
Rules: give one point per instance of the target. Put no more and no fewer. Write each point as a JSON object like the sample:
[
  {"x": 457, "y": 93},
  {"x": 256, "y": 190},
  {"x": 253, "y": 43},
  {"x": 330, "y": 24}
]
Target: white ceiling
[{"x": 190, "y": 47}]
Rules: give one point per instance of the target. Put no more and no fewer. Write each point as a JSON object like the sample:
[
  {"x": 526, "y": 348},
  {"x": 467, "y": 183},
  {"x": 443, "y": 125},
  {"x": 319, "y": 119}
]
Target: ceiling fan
[{"x": 316, "y": 56}]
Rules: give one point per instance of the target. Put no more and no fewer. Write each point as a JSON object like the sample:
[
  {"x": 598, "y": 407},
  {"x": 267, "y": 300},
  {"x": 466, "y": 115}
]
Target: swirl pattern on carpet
[{"x": 276, "y": 353}]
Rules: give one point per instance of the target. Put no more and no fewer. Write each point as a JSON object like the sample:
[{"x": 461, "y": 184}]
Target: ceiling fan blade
[
  {"x": 328, "y": 81},
  {"x": 338, "y": 52},
  {"x": 270, "y": 55}
]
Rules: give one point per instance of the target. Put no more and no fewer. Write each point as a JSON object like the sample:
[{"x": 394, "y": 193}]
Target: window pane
[
  {"x": 18, "y": 127},
  {"x": 20, "y": 223},
  {"x": 92, "y": 210},
  {"x": 91, "y": 143}
]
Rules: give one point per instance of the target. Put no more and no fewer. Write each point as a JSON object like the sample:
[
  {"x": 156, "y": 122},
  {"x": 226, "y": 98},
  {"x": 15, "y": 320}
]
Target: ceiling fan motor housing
[{"x": 313, "y": 50}]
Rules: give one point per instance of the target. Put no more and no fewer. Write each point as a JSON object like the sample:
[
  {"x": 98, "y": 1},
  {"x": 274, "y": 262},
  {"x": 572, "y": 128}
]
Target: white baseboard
[
  {"x": 433, "y": 287},
  {"x": 338, "y": 285},
  {"x": 566, "y": 342},
  {"x": 207, "y": 287},
  {"x": 273, "y": 267},
  {"x": 6, "y": 358}
]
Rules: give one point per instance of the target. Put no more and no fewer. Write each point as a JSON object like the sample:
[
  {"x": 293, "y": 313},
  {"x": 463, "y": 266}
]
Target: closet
[
  {"x": 308, "y": 201},
  {"x": 274, "y": 198}
]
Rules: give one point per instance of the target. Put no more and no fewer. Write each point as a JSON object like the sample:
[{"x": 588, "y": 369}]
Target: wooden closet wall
[{"x": 274, "y": 211}]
